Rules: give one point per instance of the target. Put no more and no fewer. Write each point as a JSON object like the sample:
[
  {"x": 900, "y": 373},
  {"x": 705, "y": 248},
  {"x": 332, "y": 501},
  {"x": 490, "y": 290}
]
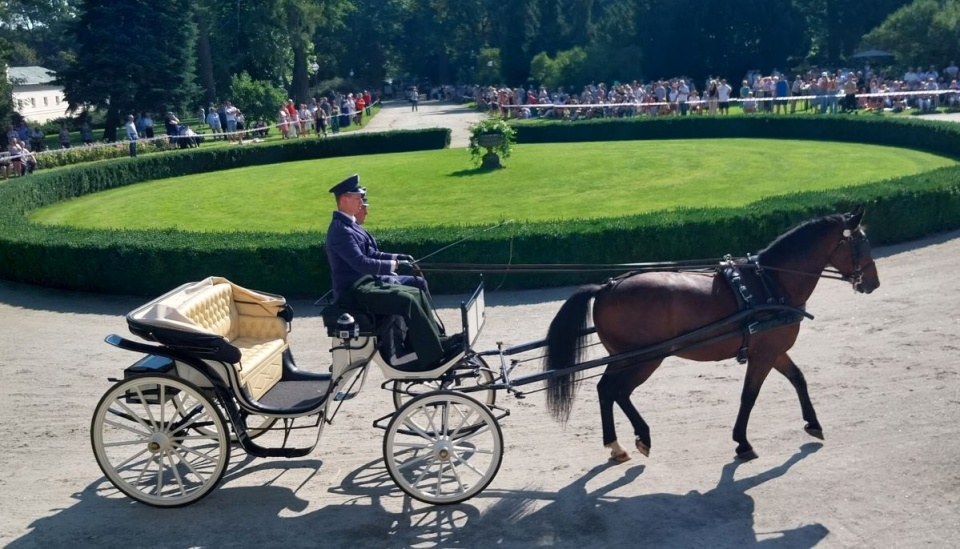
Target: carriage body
[{"x": 220, "y": 373}]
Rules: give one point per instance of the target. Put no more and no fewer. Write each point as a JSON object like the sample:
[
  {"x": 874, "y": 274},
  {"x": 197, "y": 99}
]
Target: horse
[{"x": 639, "y": 310}]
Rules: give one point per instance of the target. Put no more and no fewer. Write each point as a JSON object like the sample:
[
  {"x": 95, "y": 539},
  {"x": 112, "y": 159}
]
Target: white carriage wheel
[
  {"x": 443, "y": 447},
  {"x": 160, "y": 440},
  {"x": 404, "y": 391},
  {"x": 257, "y": 424}
]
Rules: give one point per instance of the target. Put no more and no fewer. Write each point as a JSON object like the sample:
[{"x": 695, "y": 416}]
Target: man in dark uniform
[{"x": 366, "y": 277}]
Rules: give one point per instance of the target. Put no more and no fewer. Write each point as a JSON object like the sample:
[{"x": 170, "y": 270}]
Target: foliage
[
  {"x": 6, "y": 90},
  {"x": 256, "y": 98},
  {"x": 924, "y": 32},
  {"x": 132, "y": 57},
  {"x": 491, "y": 125},
  {"x": 150, "y": 262},
  {"x": 103, "y": 151}
]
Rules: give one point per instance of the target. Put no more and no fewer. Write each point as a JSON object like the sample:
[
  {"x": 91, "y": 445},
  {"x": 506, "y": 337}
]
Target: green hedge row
[
  {"x": 150, "y": 262},
  {"x": 147, "y": 262},
  {"x": 908, "y": 133}
]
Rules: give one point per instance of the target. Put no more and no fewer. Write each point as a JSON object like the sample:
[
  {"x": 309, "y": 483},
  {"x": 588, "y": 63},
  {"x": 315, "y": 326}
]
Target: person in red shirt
[{"x": 360, "y": 104}]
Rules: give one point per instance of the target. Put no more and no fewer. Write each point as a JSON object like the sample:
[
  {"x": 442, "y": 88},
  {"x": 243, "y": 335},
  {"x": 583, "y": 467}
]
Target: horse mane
[{"x": 797, "y": 240}]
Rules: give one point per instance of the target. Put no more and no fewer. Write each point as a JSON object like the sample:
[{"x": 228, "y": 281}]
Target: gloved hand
[
  {"x": 404, "y": 265},
  {"x": 405, "y": 257}
]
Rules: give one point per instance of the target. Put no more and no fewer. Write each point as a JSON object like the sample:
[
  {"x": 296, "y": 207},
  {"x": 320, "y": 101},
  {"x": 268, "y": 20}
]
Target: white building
[{"x": 35, "y": 96}]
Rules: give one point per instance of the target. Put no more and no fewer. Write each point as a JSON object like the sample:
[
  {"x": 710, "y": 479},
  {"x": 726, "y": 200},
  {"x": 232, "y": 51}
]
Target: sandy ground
[{"x": 882, "y": 371}]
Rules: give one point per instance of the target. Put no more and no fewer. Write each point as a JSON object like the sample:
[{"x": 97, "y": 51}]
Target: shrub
[
  {"x": 150, "y": 262},
  {"x": 256, "y": 98}
]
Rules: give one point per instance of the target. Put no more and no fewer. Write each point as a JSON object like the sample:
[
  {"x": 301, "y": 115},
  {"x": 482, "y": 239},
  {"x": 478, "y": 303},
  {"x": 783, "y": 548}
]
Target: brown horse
[{"x": 643, "y": 310}]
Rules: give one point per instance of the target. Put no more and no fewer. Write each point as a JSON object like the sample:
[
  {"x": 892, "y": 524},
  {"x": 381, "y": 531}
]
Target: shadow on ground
[{"x": 274, "y": 514}]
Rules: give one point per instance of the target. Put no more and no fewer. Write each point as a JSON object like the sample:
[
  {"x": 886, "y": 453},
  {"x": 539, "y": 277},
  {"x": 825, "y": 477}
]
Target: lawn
[{"x": 541, "y": 182}]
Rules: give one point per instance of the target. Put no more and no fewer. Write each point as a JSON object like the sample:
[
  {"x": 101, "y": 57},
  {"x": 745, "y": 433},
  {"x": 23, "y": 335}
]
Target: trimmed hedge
[{"x": 150, "y": 262}]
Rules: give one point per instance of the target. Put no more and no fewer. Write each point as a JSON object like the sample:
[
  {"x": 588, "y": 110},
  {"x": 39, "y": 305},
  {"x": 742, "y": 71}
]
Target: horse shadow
[
  {"x": 720, "y": 517},
  {"x": 275, "y": 514}
]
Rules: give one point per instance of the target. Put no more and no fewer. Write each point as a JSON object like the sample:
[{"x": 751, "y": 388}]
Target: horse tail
[{"x": 565, "y": 342}]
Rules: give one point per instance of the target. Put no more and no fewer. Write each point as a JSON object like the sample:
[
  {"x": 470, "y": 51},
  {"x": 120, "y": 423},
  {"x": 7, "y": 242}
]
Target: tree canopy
[{"x": 144, "y": 55}]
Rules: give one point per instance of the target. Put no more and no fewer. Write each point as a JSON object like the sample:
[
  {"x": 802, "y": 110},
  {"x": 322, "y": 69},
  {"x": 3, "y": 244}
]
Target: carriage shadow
[{"x": 274, "y": 514}]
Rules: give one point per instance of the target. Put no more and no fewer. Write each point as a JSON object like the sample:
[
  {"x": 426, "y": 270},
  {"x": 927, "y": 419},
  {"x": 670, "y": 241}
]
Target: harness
[{"x": 766, "y": 292}]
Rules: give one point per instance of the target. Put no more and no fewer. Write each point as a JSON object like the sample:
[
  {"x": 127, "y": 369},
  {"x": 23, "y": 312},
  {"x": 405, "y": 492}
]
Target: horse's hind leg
[
  {"x": 785, "y": 365},
  {"x": 616, "y": 386}
]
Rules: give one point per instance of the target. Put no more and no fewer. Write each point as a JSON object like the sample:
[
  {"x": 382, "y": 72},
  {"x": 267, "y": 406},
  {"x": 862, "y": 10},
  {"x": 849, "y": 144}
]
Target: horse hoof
[
  {"x": 643, "y": 449},
  {"x": 749, "y": 455},
  {"x": 815, "y": 433},
  {"x": 620, "y": 457}
]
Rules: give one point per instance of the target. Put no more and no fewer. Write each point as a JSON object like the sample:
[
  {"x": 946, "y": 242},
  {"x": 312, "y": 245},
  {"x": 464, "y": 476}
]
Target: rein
[
  {"x": 857, "y": 245},
  {"x": 693, "y": 264}
]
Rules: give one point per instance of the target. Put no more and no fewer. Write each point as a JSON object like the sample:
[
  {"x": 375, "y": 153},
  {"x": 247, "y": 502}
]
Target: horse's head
[{"x": 852, "y": 256}]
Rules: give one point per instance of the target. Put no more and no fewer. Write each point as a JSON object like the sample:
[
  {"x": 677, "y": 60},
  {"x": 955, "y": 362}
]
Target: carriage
[{"x": 218, "y": 373}]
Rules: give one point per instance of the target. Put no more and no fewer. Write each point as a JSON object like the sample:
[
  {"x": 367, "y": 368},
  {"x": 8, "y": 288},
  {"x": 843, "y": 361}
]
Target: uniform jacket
[{"x": 352, "y": 253}]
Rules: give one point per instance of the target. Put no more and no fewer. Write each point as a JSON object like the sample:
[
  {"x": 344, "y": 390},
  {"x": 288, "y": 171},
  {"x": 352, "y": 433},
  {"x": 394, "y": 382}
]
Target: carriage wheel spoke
[
  {"x": 467, "y": 465},
  {"x": 413, "y": 445},
  {"x": 426, "y": 469},
  {"x": 456, "y": 473},
  {"x": 126, "y": 427},
  {"x": 201, "y": 455},
  {"x": 417, "y": 429},
  {"x": 176, "y": 473},
  {"x": 187, "y": 463},
  {"x": 159, "y": 460},
  {"x": 146, "y": 407},
  {"x": 151, "y": 426},
  {"x": 411, "y": 462}
]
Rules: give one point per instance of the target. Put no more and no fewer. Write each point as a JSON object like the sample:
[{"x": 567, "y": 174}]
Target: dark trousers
[
  {"x": 411, "y": 303},
  {"x": 133, "y": 149}
]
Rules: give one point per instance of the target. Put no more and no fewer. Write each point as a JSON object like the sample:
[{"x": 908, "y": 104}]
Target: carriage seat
[
  {"x": 242, "y": 327},
  {"x": 367, "y": 321}
]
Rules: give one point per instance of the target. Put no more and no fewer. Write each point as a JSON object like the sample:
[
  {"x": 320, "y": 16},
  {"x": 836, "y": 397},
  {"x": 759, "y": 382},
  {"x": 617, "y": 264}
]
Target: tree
[
  {"x": 132, "y": 56},
  {"x": 925, "y": 32},
  {"x": 256, "y": 98},
  {"x": 6, "y": 90},
  {"x": 37, "y": 29}
]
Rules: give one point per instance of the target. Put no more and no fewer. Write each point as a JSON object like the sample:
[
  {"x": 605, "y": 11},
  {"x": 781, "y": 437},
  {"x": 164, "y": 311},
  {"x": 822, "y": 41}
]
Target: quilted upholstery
[
  {"x": 214, "y": 310},
  {"x": 261, "y": 339}
]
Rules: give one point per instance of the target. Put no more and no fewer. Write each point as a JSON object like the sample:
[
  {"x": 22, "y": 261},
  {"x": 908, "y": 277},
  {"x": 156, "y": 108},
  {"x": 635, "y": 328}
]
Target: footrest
[{"x": 297, "y": 395}]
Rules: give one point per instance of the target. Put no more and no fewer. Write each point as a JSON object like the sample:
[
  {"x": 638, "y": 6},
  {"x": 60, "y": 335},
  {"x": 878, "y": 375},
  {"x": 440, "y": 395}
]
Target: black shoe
[{"x": 451, "y": 345}]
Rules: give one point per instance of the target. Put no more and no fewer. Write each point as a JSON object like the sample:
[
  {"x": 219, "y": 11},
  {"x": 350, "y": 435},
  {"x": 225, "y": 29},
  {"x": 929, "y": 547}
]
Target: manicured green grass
[{"x": 541, "y": 182}]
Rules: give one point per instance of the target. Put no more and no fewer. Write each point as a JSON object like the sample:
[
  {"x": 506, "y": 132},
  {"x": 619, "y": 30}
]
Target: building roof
[{"x": 28, "y": 76}]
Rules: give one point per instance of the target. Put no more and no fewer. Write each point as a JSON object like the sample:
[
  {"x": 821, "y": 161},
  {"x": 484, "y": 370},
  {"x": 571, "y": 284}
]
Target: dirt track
[{"x": 882, "y": 371}]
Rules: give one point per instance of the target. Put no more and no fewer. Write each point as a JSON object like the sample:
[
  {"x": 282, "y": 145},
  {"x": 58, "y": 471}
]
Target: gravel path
[{"x": 882, "y": 369}]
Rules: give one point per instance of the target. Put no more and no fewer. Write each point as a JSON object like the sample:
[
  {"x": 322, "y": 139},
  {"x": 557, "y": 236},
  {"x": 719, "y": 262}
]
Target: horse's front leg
[
  {"x": 785, "y": 365},
  {"x": 757, "y": 370}
]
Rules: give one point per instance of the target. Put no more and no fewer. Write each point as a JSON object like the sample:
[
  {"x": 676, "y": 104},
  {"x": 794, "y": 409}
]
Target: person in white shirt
[
  {"x": 213, "y": 120},
  {"x": 132, "y": 135},
  {"x": 683, "y": 95},
  {"x": 723, "y": 94},
  {"x": 231, "y": 118}
]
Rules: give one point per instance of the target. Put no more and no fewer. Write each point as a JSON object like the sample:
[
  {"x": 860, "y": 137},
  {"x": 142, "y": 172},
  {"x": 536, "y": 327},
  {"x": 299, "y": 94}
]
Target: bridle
[{"x": 859, "y": 247}]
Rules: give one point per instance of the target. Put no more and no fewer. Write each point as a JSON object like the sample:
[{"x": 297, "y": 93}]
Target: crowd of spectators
[
  {"x": 816, "y": 91},
  {"x": 322, "y": 117}
]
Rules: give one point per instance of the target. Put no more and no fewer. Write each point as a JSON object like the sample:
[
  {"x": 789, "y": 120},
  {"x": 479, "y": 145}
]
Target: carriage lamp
[{"x": 347, "y": 327}]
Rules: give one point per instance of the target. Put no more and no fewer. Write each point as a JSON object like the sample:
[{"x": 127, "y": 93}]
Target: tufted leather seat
[{"x": 260, "y": 339}]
